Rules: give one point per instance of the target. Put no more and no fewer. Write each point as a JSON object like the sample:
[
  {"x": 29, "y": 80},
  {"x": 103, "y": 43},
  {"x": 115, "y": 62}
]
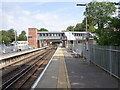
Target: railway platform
[
  {"x": 8, "y": 55},
  {"x": 66, "y": 71},
  {"x": 10, "y": 58}
]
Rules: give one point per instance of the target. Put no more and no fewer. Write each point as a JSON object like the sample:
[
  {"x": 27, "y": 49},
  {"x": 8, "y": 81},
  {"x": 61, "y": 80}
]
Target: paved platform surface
[
  {"x": 56, "y": 74},
  {"x": 66, "y": 71},
  {"x": 84, "y": 75},
  {"x": 12, "y": 54}
]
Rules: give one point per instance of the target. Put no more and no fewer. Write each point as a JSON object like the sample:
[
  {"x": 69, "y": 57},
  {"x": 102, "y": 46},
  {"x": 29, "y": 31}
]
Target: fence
[
  {"x": 106, "y": 57},
  {"x": 8, "y": 49}
]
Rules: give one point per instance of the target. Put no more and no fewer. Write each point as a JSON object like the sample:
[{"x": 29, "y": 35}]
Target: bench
[{"x": 75, "y": 54}]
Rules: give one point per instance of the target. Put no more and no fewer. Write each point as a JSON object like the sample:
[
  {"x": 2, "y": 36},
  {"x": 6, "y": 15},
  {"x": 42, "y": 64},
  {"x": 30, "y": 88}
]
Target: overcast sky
[{"x": 54, "y": 15}]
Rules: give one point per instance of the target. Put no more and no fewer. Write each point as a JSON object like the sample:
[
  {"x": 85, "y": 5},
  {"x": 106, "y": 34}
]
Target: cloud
[{"x": 20, "y": 19}]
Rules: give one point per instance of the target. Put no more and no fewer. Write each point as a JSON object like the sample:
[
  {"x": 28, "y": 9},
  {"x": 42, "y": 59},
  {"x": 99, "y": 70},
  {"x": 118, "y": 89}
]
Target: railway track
[
  {"x": 27, "y": 74},
  {"x": 16, "y": 67}
]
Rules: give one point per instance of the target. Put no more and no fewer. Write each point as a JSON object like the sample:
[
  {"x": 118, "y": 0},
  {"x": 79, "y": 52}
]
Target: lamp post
[
  {"x": 73, "y": 40},
  {"x": 86, "y": 13},
  {"x": 86, "y": 28},
  {"x": 87, "y": 36}
]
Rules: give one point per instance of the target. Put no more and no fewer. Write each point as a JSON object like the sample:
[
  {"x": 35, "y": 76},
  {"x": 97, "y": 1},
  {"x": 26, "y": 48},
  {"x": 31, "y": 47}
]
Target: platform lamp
[
  {"x": 86, "y": 13},
  {"x": 87, "y": 36}
]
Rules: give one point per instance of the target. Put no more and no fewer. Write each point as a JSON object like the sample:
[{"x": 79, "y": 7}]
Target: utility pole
[
  {"x": 15, "y": 36},
  {"x": 15, "y": 40}
]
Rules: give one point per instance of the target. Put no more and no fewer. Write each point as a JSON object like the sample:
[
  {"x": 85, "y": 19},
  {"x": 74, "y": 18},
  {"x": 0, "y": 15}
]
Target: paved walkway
[
  {"x": 65, "y": 71},
  {"x": 83, "y": 75},
  {"x": 56, "y": 74}
]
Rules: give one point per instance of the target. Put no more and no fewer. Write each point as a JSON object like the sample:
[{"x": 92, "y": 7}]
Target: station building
[{"x": 39, "y": 39}]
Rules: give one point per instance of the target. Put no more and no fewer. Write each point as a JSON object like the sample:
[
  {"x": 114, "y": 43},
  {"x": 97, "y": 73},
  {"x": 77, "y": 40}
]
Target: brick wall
[{"x": 32, "y": 37}]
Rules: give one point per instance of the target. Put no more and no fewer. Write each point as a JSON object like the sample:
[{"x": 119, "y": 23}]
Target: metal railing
[{"x": 106, "y": 57}]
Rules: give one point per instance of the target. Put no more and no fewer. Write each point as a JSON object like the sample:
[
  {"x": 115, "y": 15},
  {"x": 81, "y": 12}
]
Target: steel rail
[
  {"x": 22, "y": 65},
  {"x": 11, "y": 81},
  {"x": 36, "y": 69}
]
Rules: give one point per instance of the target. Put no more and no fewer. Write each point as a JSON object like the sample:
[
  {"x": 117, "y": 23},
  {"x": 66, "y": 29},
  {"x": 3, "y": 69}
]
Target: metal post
[
  {"x": 86, "y": 18},
  {"x": 16, "y": 41},
  {"x": 15, "y": 36},
  {"x": 73, "y": 41},
  {"x": 86, "y": 29},
  {"x": 110, "y": 60}
]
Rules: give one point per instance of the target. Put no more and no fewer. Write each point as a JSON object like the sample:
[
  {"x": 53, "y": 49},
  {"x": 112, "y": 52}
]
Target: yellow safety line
[{"x": 66, "y": 72}]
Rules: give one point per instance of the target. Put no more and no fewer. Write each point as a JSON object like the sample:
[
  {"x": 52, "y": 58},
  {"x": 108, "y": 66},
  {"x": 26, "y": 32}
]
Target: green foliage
[
  {"x": 114, "y": 22},
  {"x": 90, "y": 24},
  {"x": 80, "y": 27},
  {"x": 70, "y": 28},
  {"x": 42, "y": 29},
  {"x": 22, "y": 36},
  {"x": 23, "y": 33},
  {"x": 110, "y": 35},
  {"x": 99, "y": 12},
  {"x": 6, "y": 40},
  {"x": 91, "y": 28},
  {"x": 109, "y": 38},
  {"x": 9, "y": 36}
]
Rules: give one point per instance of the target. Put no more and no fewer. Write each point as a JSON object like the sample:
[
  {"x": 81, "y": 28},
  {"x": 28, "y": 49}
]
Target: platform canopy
[{"x": 69, "y": 36}]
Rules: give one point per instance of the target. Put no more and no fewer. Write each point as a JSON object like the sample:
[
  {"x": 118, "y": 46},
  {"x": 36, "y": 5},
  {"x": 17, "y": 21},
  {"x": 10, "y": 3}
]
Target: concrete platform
[
  {"x": 84, "y": 75},
  {"x": 56, "y": 75},
  {"x": 66, "y": 71},
  {"x": 13, "y": 54}
]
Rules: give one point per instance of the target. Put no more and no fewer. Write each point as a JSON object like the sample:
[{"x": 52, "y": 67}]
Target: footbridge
[{"x": 40, "y": 39}]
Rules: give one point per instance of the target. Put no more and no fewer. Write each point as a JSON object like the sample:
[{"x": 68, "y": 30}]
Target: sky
[{"x": 54, "y": 15}]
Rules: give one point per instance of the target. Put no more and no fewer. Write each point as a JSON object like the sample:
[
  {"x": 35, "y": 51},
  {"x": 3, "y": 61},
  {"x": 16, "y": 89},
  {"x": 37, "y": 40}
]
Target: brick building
[
  {"x": 32, "y": 38},
  {"x": 41, "y": 39}
]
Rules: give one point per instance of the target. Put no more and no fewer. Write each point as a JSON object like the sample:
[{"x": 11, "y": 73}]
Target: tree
[
  {"x": 23, "y": 33},
  {"x": 100, "y": 12},
  {"x": 70, "y": 28},
  {"x": 8, "y": 36},
  {"x": 42, "y": 29},
  {"x": 22, "y": 36},
  {"x": 80, "y": 27},
  {"x": 91, "y": 28},
  {"x": 114, "y": 23},
  {"x": 11, "y": 34},
  {"x": 6, "y": 40},
  {"x": 90, "y": 24},
  {"x": 5, "y": 37},
  {"x": 110, "y": 35},
  {"x": 109, "y": 38}
]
